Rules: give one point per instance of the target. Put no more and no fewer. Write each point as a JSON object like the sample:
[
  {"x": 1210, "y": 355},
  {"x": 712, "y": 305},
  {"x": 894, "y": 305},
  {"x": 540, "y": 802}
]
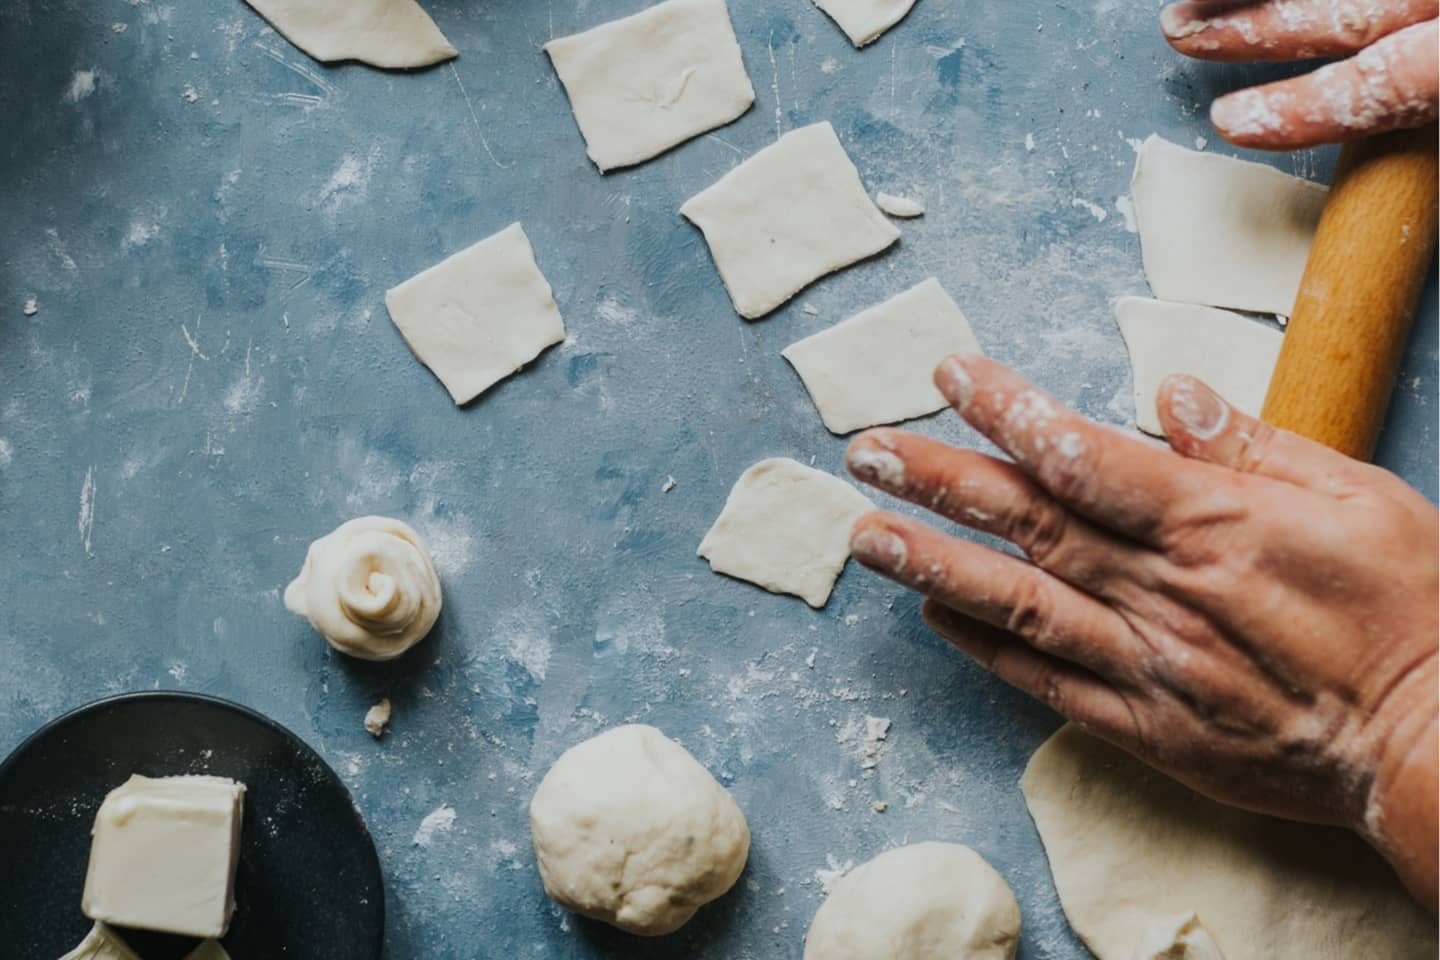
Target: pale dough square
[
  {"x": 786, "y": 527},
  {"x": 1222, "y": 232},
  {"x": 479, "y": 315},
  {"x": 1233, "y": 354},
  {"x": 786, "y": 217},
  {"x": 877, "y": 366},
  {"x": 645, "y": 83},
  {"x": 864, "y": 20}
]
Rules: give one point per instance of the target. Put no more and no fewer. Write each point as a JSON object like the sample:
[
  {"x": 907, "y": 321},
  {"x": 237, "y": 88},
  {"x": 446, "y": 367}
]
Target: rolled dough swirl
[{"x": 369, "y": 588}]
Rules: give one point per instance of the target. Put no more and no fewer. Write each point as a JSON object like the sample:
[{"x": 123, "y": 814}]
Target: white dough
[
  {"x": 865, "y": 20},
  {"x": 1220, "y": 231},
  {"x": 630, "y": 829},
  {"x": 1127, "y": 845},
  {"x": 876, "y": 367},
  {"x": 101, "y": 944},
  {"x": 786, "y": 217},
  {"x": 929, "y": 901},
  {"x": 903, "y": 207},
  {"x": 1233, "y": 354},
  {"x": 377, "y": 718},
  {"x": 479, "y": 315},
  {"x": 1181, "y": 937},
  {"x": 786, "y": 527},
  {"x": 383, "y": 33},
  {"x": 368, "y": 588},
  {"x": 642, "y": 84}
]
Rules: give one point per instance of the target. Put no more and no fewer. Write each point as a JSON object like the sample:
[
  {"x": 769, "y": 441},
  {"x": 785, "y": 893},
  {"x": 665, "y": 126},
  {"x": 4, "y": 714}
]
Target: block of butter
[{"x": 163, "y": 855}]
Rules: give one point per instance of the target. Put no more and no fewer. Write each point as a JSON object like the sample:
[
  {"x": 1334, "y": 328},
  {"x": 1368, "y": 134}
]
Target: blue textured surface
[{"x": 211, "y": 382}]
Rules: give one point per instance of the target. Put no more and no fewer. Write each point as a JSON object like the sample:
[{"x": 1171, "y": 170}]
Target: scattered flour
[
  {"x": 82, "y": 85},
  {"x": 439, "y": 820},
  {"x": 834, "y": 870},
  {"x": 1094, "y": 209}
]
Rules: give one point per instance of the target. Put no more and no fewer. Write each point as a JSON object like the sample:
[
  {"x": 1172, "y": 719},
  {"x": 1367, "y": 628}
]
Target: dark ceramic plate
[{"x": 308, "y": 884}]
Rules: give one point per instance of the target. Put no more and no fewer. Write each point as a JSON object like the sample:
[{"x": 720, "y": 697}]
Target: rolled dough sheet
[
  {"x": 479, "y": 315},
  {"x": 1127, "y": 844},
  {"x": 786, "y": 217},
  {"x": 382, "y": 33},
  {"x": 864, "y": 20},
  {"x": 786, "y": 527},
  {"x": 1220, "y": 231},
  {"x": 643, "y": 84},
  {"x": 101, "y": 944},
  {"x": 1233, "y": 354},
  {"x": 876, "y": 367}
]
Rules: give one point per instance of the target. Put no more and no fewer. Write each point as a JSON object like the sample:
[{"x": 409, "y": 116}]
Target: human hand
[
  {"x": 1391, "y": 83},
  {"x": 1253, "y": 613}
]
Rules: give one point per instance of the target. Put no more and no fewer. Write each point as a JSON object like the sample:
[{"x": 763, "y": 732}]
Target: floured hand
[
  {"x": 1251, "y": 612},
  {"x": 1390, "y": 83}
]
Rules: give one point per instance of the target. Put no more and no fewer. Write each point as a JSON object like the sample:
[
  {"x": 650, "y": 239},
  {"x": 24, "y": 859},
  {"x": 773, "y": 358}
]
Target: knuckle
[
  {"x": 1038, "y": 527},
  {"x": 1069, "y": 467},
  {"x": 1031, "y": 613}
]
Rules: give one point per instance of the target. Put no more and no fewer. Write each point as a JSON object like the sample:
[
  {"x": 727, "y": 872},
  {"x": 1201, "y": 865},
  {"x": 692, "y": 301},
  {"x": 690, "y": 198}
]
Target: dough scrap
[
  {"x": 786, "y": 527},
  {"x": 928, "y": 901},
  {"x": 1222, "y": 232},
  {"x": 392, "y": 34},
  {"x": 1127, "y": 844},
  {"x": 368, "y": 588},
  {"x": 377, "y": 718},
  {"x": 1181, "y": 937},
  {"x": 865, "y": 20},
  {"x": 1233, "y": 354},
  {"x": 789, "y": 215},
  {"x": 645, "y": 83},
  {"x": 903, "y": 207},
  {"x": 480, "y": 315},
  {"x": 630, "y": 829},
  {"x": 876, "y": 367},
  {"x": 101, "y": 944}
]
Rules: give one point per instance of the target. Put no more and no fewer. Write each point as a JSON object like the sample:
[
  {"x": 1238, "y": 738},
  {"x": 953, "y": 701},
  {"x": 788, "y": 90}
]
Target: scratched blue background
[{"x": 211, "y": 381}]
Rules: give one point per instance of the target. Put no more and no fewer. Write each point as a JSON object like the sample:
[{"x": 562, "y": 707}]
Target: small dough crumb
[
  {"x": 879, "y": 806},
  {"x": 377, "y": 718},
  {"x": 904, "y": 207},
  {"x": 668, "y": 485},
  {"x": 32, "y": 306}
]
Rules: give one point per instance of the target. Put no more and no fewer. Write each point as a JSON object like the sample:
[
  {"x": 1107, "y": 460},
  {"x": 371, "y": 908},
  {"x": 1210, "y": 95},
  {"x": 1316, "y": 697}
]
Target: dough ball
[
  {"x": 929, "y": 901},
  {"x": 369, "y": 588},
  {"x": 632, "y": 830}
]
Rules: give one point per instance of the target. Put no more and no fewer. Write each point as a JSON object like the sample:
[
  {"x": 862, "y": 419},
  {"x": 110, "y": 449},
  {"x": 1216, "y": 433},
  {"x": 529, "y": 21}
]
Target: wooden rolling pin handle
[{"x": 1372, "y": 251}]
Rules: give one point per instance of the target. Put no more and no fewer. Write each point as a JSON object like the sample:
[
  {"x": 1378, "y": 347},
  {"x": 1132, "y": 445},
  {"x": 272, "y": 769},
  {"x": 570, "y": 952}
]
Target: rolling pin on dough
[{"x": 1372, "y": 251}]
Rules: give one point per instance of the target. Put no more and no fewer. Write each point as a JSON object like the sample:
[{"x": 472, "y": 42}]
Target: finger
[
  {"x": 1291, "y": 30},
  {"x": 1114, "y": 480},
  {"x": 997, "y": 497},
  {"x": 1001, "y": 590},
  {"x": 1199, "y": 424},
  {"x": 1391, "y": 85},
  {"x": 1071, "y": 691}
]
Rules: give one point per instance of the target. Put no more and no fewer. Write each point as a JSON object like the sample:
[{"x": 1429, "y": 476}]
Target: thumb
[{"x": 1200, "y": 424}]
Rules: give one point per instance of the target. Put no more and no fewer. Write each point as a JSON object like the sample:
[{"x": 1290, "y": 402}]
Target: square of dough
[
  {"x": 876, "y": 367},
  {"x": 786, "y": 217},
  {"x": 1220, "y": 231},
  {"x": 786, "y": 527},
  {"x": 864, "y": 20},
  {"x": 480, "y": 315},
  {"x": 1233, "y": 354},
  {"x": 645, "y": 83}
]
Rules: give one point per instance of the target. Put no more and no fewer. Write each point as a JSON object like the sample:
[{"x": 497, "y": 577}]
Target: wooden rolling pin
[{"x": 1371, "y": 254}]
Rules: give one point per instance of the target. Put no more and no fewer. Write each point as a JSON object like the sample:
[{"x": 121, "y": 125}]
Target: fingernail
[
  {"x": 954, "y": 382},
  {"x": 1177, "y": 22},
  {"x": 1246, "y": 113},
  {"x": 875, "y": 465},
  {"x": 880, "y": 548},
  {"x": 1197, "y": 408}
]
